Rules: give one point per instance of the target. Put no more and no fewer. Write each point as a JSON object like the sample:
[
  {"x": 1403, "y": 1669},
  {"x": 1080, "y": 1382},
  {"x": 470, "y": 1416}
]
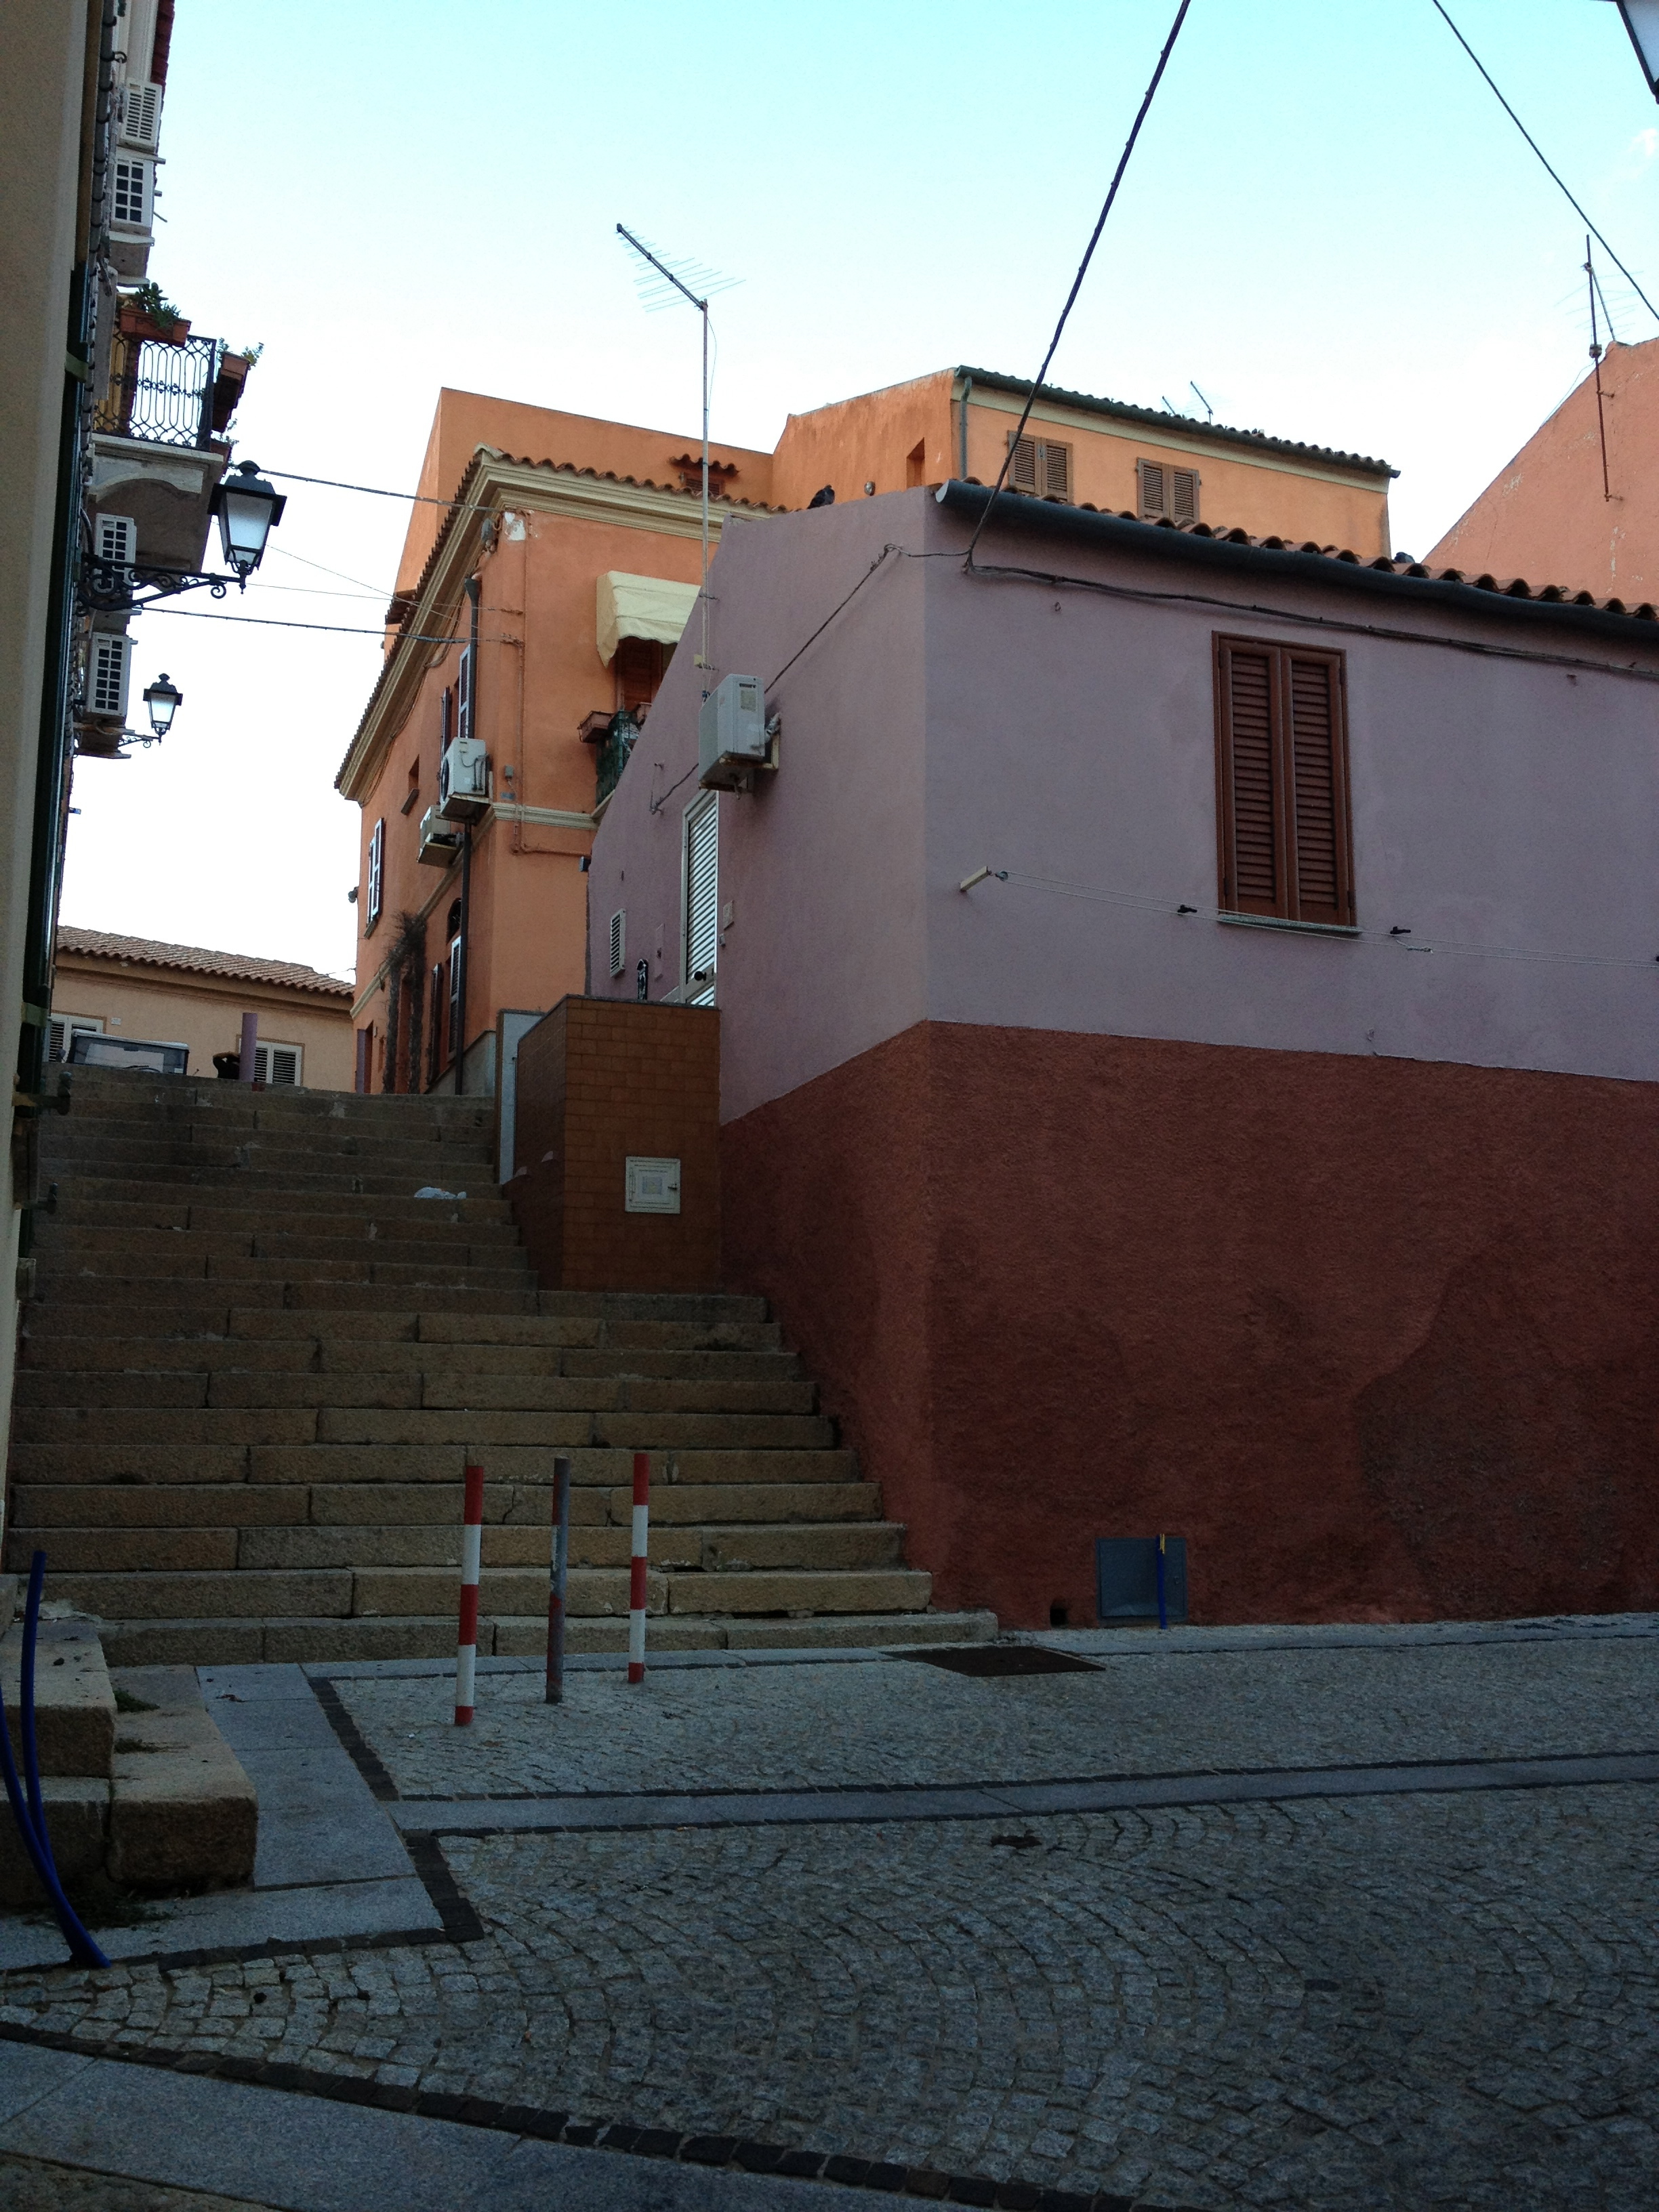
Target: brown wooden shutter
[
  {"x": 1151, "y": 490},
  {"x": 1057, "y": 471},
  {"x": 1283, "y": 820},
  {"x": 1023, "y": 468},
  {"x": 1183, "y": 494},
  {"x": 1316, "y": 757}
]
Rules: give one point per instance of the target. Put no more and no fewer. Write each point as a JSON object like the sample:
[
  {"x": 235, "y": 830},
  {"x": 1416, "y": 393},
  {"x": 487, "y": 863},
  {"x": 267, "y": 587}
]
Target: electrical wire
[
  {"x": 1554, "y": 173},
  {"x": 376, "y": 491},
  {"x": 379, "y": 591},
  {"x": 339, "y": 630},
  {"x": 833, "y": 612},
  {"x": 1083, "y": 268}
]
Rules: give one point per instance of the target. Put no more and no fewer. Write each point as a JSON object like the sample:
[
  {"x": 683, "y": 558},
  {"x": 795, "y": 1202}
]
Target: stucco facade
[
  {"x": 1552, "y": 512},
  {"x": 1105, "y": 1211},
  {"x": 547, "y": 504}
]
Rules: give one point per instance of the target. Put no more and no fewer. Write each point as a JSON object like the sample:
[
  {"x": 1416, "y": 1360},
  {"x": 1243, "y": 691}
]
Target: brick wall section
[{"x": 599, "y": 1079}]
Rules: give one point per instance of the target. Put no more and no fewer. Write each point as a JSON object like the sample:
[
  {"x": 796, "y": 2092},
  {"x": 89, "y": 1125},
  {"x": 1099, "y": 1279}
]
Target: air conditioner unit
[
  {"x": 438, "y": 844},
  {"x": 732, "y": 740},
  {"x": 462, "y": 780}
]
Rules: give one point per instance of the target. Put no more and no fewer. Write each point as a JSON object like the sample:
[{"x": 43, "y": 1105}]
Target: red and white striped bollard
[
  {"x": 467, "y": 1642},
  {"x": 637, "y": 1566}
]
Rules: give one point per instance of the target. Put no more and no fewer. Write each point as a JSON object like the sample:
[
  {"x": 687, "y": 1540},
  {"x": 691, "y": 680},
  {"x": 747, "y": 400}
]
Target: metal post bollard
[
  {"x": 636, "y": 1588},
  {"x": 556, "y": 1581},
  {"x": 466, "y": 1653}
]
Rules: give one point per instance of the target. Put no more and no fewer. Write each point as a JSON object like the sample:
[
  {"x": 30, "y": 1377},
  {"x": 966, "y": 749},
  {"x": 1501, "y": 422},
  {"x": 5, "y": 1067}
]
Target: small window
[
  {"x": 456, "y": 964},
  {"x": 277, "y": 1065},
  {"x": 618, "y": 943},
  {"x": 702, "y": 882},
  {"x": 108, "y": 675},
  {"x": 129, "y": 195},
  {"x": 1041, "y": 467},
  {"x": 915, "y": 465},
  {"x": 464, "y": 694},
  {"x": 412, "y": 796},
  {"x": 445, "y": 717},
  {"x": 376, "y": 872},
  {"x": 117, "y": 541},
  {"x": 1167, "y": 492},
  {"x": 435, "y": 1035},
  {"x": 1285, "y": 833}
]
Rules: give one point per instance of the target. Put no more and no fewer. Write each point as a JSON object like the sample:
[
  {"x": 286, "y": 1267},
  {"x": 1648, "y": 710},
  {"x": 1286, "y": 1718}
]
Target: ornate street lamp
[
  {"x": 163, "y": 698},
  {"x": 1641, "y": 21},
  {"x": 247, "y": 507}
]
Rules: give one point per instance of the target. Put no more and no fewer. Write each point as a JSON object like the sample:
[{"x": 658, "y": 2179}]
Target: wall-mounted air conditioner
[
  {"x": 462, "y": 780},
  {"x": 732, "y": 740},
  {"x": 140, "y": 115},
  {"x": 438, "y": 844}
]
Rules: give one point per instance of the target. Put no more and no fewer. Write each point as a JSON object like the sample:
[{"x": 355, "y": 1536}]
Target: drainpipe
[
  {"x": 466, "y": 848},
  {"x": 961, "y": 434}
]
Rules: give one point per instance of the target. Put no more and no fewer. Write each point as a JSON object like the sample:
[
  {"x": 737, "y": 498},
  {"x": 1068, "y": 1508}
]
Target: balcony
[
  {"x": 165, "y": 387},
  {"x": 614, "y": 737}
]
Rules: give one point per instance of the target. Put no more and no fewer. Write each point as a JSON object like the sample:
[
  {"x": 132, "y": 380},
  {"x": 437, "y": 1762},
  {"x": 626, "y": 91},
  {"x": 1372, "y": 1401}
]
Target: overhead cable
[
  {"x": 1554, "y": 173},
  {"x": 1083, "y": 268}
]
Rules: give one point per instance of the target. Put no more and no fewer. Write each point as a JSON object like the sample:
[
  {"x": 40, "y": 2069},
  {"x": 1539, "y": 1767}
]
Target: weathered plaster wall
[
  {"x": 1377, "y": 1337},
  {"x": 171, "y": 1007}
]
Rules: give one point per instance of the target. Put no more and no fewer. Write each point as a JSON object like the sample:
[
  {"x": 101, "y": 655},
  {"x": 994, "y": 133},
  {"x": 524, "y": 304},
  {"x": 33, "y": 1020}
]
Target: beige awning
[{"x": 641, "y": 606}]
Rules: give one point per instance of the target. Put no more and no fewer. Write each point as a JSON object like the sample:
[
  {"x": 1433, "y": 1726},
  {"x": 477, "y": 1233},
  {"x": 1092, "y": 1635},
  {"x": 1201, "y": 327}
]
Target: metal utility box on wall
[
  {"x": 615, "y": 1178},
  {"x": 1126, "y": 1578}
]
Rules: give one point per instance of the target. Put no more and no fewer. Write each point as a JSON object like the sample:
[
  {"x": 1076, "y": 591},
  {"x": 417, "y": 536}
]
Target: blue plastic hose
[{"x": 28, "y": 1806}]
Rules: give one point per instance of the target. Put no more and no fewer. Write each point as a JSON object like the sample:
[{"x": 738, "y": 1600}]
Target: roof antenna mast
[
  {"x": 698, "y": 285},
  {"x": 1595, "y": 355}
]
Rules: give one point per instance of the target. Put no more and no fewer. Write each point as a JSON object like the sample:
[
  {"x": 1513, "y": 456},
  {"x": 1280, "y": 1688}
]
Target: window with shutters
[
  {"x": 1167, "y": 491},
  {"x": 129, "y": 195},
  {"x": 277, "y": 1065},
  {"x": 638, "y": 668},
  {"x": 1040, "y": 465},
  {"x": 464, "y": 694},
  {"x": 701, "y": 879},
  {"x": 376, "y": 874},
  {"x": 107, "y": 674},
  {"x": 1286, "y": 836},
  {"x": 618, "y": 943},
  {"x": 141, "y": 111},
  {"x": 455, "y": 965},
  {"x": 117, "y": 540}
]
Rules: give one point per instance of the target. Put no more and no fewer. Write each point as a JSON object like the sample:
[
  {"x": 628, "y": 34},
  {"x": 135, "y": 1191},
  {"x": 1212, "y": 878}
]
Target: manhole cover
[{"x": 1001, "y": 1659}]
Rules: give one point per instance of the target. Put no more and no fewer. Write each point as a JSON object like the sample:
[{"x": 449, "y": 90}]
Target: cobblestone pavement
[
  {"x": 900, "y": 1721},
  {"x": 1337, "y": 2005}
]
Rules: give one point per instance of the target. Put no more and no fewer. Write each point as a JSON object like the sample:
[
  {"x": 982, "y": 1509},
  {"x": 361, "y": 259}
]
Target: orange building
[
  {"x": 548, "y": 578},
  {"x": 1578, "y": 505}
]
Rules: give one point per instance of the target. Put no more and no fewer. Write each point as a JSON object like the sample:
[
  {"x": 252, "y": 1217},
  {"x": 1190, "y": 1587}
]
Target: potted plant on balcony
[{"x": 148, "y": 313}]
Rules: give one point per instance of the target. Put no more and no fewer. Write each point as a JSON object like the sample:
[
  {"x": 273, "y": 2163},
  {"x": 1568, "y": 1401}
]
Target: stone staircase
[{"x": 255, "y": 1364}]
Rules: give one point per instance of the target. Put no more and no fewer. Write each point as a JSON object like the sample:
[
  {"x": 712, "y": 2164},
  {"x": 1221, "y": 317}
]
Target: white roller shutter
[{"x": 701, "y": 900}]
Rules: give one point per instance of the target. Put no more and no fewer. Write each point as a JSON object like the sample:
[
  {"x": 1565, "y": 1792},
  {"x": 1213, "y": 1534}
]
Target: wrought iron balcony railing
[
  {"x": 160, "y": 393},
  {"x": 613, "y": 754}
]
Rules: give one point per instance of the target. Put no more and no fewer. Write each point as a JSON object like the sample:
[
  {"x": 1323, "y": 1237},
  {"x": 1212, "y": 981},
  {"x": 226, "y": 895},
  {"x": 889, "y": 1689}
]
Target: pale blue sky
[{"x": 1329, "y": 224}]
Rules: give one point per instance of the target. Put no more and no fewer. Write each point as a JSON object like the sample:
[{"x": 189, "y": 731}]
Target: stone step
[
  {"x": 122, "y": 1204},
  {"x": 278, "y": 1238},
  {"x": 67, "y": 1461},
  {"x": 74, "y": 1705},
  {"x": 433, "y": 1388},
  {"x": 734, "y": 1549},
  {"x": 229, "y": 1641},
  {"x": 179, "y": 1295},
  {"x": 181, "y": 1258},
  {"x": 321, "y": 1354},
  {"x": 455, "y": 1166},
  {"x": 255, "y": 1186}
]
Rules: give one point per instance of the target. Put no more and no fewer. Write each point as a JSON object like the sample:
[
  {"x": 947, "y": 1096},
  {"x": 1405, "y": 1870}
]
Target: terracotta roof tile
[{"x": 239, "y": 967}]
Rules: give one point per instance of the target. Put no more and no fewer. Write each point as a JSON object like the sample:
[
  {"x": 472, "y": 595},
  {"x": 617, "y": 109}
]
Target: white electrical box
[
  {"x": 438, "y": 844},
  {"x": 462, "y": 780},
  {"x": 653, "y": 1187},
  {"x": 732, "y": 740}
]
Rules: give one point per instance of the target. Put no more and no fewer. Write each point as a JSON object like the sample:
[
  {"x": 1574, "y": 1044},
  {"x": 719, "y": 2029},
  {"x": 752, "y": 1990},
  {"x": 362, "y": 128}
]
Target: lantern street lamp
[
  {"x": 247, "y": 507},
  {"x": 163, "y": 698},
  {"x": 1641, "y": 21}
]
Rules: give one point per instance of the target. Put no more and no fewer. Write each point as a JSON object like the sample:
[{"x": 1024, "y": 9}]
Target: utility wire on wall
[
  {"x": 1083, "y": 270},
  {"x": 1554, "y": 172}
]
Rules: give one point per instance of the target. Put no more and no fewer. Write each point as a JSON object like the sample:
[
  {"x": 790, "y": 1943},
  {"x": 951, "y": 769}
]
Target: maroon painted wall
[{"x": 1379, "y": 1337}]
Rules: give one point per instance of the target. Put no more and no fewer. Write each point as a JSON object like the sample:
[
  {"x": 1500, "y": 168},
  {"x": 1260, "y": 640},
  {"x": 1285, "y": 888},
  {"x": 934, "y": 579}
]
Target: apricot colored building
[
  {"x": 534, "y": 616},
  {"x": 1578, "y": 505},
  {"x": 136, "y": 989}
]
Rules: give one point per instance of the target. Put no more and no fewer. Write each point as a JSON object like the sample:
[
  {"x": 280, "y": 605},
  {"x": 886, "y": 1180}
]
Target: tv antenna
[
  {"x": 1204, "y": 402},
  {"x": 691, "y": 281}
]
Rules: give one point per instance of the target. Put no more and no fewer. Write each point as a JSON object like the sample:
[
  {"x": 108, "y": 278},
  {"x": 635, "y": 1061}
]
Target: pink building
[{"x": 1266, "y": 1150}]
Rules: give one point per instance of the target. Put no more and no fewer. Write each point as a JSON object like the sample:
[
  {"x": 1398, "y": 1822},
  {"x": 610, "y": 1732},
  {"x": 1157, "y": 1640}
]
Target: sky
[{"x": 1329, "y": 226}]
